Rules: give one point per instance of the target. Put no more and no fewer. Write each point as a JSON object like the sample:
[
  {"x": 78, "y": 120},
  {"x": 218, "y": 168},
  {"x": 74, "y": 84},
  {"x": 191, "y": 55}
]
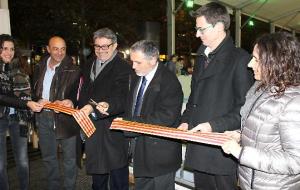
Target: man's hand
[
  {"x": 202, "y": 127},
  {"x": 34, "y": 106},
  {"x": 232, "y": 147},
  {"x": 102, "y": 107},
  {"x": 43, "y": 102},
  {"x": 65, "y": 102},
  {"x": 87, "y": 109},
  {"x": 183, "y": 126}
]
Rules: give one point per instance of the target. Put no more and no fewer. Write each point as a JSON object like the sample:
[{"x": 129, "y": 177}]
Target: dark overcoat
[
  {"x": 217, "y": 94},
  {"x": 106, "y": 149},
  {"x": 162, "y": 102}
]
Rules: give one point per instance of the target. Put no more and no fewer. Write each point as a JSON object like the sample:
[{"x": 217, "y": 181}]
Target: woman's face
[
  {"x": 254, "y": 64},
  {"x": 7, "y": 51}
]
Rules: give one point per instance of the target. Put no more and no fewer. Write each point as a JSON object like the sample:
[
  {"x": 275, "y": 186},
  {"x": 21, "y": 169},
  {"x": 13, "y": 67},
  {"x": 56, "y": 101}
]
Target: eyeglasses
[
  {"x": 202, "y": 30},
  {"x": 103, "y": 47}
]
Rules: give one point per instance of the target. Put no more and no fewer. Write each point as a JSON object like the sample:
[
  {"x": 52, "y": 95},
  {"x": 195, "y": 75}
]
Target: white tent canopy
[{"x": 283, "y": 13}]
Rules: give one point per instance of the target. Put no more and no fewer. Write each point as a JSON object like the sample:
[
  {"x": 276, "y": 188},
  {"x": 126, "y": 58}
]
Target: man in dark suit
[
  {"x": 219, "y": 84},
  {"x": 105, "y": 79},
  {"x": 155, "y": 97}
]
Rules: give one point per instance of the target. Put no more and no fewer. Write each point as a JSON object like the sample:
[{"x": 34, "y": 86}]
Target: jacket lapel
[
  {"x": 213, "y": 68},
  {"x": 153, "y": 86},
  {"x": 133, "y": 92},
  {"x": 104, "y": 72},
  {"x": 216, "y": 65}
]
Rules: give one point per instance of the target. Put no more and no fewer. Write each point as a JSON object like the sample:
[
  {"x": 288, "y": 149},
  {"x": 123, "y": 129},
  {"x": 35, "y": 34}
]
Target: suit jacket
[
  {"x": 106, "y": 149},
  {"x": 161, "y": 105},
  {"x": 217, "y": 94},
  {"x": 64, "y": 85}
]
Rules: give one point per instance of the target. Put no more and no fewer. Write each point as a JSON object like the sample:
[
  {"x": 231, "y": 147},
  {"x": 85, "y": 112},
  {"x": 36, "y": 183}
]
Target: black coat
[
  {"x": 7, "y": 97},
  {"x": 106, "y": 149},
  {"x": 64, "y": 85},
  {"x": 161, "y": 105},
  {"x": 217, "y": 94}
]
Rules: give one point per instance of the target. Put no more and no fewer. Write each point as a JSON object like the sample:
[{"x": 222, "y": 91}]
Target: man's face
[
  {"x": 141, "y": 65},
  {"x": 7, "y": 51},
  {"x": 104, "y": 48},
  {"x": 57, "y": 49},
  {"x": 205, "y": 31}
]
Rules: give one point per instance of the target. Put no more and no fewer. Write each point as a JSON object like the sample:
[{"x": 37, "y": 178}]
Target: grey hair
[
  {"x": 147, "y": 47},
  {"x": 105, "y": 33}
]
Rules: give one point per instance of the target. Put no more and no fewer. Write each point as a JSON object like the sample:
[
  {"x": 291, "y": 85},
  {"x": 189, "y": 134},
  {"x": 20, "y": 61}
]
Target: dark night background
[{"x": 33, "y": 22}]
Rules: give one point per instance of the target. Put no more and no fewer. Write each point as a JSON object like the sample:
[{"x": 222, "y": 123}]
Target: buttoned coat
[
  {"x": 106, "y": 149},
  {"x": 162, "y": 102},
  {"x": 217, "y": 94}
]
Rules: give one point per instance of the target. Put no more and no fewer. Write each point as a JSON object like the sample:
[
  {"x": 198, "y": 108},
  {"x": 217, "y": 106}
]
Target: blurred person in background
[
  {"x": 171, "y": 64},
  {"x": 179, "y": 65}
]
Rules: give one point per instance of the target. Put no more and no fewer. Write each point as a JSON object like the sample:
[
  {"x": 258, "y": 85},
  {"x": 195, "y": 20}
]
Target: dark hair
[
  {"x": 173, "y": 56},
  {"x": 180, "y": 59},
  {"x": 147, "y": 47},
  {"x": 6, "y": 38},
  {"x": 279, "y": 59},
  {"x": 105, "y": 33},
  {"x": 213, "y": 13}
]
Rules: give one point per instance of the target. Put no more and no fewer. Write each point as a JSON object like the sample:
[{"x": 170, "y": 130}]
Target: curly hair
[{"x": 279, "y": 59}]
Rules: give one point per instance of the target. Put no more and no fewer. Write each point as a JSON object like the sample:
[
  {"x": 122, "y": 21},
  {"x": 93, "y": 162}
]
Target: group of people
[
  {"x": 180, "y": 65},
  {"x": 262, "y": 117}
]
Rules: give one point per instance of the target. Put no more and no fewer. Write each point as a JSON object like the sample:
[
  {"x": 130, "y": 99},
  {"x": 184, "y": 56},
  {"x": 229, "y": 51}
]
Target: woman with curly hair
[{"x": 268, "y": 145}]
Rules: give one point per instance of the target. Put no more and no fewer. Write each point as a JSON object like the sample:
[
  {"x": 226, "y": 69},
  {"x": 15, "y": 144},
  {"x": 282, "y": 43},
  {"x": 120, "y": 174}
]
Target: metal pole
[
  {"x": 4, "y": 18},
  {"x": 272, "y": 27},
  {"x": 171, "y": 27},
  {"x": 3, "y": 4},
  {"x": 238, "y": 28}
]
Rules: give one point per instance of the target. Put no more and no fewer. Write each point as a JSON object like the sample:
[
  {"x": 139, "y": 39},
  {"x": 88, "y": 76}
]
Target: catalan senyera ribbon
[
  {"x": 213, "y": 138},
  {"x": 82, "y": 119}
]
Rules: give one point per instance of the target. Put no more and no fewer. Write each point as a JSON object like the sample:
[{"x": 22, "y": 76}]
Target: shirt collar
[
  {"x": 208, "y": 51},
  {"x": 54, "y": 67},
  {"x": 150, "y": 75}
]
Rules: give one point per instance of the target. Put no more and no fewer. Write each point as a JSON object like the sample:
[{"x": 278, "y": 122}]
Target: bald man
[{"x": 57, "y": 81}]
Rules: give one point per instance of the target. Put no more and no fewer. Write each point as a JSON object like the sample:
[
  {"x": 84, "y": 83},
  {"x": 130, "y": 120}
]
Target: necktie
[{"x": 139, "y": 98}]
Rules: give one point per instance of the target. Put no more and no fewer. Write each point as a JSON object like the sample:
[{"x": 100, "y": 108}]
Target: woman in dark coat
[{"x": 14, "y": 99}]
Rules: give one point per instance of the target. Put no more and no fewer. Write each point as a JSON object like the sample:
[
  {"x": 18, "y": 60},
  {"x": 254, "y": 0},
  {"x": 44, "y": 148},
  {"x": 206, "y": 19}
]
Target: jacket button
[{"x": 194, "y": 105}]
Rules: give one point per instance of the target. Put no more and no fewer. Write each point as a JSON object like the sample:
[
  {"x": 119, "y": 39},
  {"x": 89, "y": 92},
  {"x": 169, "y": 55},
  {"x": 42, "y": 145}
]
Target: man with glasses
[
  {"x": 219, "y": 84},
  {"x": 105, "y": 79}
]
